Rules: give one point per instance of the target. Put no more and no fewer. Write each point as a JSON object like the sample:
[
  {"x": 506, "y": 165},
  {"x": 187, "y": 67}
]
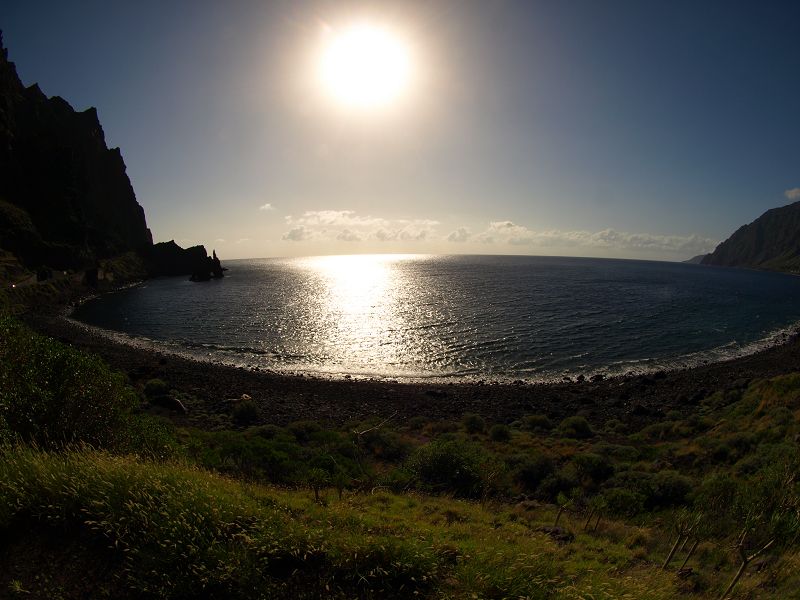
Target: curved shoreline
[
  {"x": 622, "y": 369},
  {"x": 283, "y": 398}
]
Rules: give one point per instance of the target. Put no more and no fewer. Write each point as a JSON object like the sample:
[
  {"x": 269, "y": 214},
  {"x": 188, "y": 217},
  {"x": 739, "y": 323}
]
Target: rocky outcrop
[
  {"x": 168, "y": 258},
  {"x": 770, "y": 242},
  {"x": 65, "y": 198}
]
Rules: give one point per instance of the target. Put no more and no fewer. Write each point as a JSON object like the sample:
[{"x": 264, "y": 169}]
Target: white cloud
[
  {"x": 347, "y": 225},
  {"x": 518, "y": 235},
  {"x": 792, "y": 194},
  {"x": 242, "y": 240},
  {"x": 462, "y": 234},
  {"x": 266, "y": 206},
  {"x": 219, "y": 241},
  {"x": 348, "y": 236},
  {"x": 298, "y": 234}
]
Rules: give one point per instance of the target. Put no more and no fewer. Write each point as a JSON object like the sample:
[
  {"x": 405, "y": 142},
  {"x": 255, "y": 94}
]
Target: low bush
[
  {"x": 155, "y": 387},
  {"x": 473, "y": 423},
  {"x": 245, "y": 413},
  {"x": 669, "y": 488},
  {"x": 621, "y": 502},
  {"x": 575, "y": 427},
  {"x": 385, "y": 445},
  {"x": 304, "y": 431},
  {"x": 528, "y": 471},
  {"x": 591, "y": 468},
  {"x": 53, "y": 395},
  {"x": 536, "y": 423},
  {"x": 450, "y": 466},
  {"x": 500, "y": 433},
  {"x": 277, "y": 459}
]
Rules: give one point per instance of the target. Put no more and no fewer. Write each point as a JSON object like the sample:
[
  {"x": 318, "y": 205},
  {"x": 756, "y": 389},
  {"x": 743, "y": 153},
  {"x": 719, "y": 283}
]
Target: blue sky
[{"x": 636, "y": 129}]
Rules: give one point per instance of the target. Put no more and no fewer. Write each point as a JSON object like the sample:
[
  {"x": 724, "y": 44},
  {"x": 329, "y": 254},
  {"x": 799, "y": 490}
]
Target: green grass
[
  {"x": 434, "y": 510},
  {"x": 177, "y": 531}
]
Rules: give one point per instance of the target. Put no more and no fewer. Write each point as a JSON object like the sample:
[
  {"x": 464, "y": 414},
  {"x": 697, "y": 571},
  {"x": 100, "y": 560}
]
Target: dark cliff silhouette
[
  {"x": 168, "y": 258},
  {"x": 65, "y": 198},
  {"x": 770, "y": 242}
]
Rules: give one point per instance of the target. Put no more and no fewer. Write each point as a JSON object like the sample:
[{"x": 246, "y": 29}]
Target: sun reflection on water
[{"x": 359, "y": 307}]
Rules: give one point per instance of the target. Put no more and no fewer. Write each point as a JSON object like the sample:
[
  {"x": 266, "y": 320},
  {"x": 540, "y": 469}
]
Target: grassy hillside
[{"x": 100, "y": 499}]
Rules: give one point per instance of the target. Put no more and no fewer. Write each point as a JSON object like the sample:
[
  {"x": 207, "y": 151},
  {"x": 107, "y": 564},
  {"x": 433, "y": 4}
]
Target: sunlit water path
[{"x": 531, "y": 318}]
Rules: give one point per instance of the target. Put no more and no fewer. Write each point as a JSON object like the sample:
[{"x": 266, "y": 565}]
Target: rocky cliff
[
  {"x": 168, "y": 258},
  {"x": 770, "y": 242},
  {"x": 65, "y": 198}
]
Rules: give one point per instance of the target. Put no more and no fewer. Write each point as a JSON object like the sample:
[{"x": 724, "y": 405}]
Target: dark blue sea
[{"x": 479, "y": 317}]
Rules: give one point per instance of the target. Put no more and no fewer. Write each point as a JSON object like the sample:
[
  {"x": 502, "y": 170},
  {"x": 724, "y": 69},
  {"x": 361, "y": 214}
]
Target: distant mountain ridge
[
  {"x": 696, "y": 260},
  {"x": 66, "y": 201},
  {"x": 770, "y": 242}
]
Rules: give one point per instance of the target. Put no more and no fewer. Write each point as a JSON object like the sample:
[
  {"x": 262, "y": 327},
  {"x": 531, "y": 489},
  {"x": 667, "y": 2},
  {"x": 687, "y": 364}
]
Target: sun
[{"x": 364, "y": 66}]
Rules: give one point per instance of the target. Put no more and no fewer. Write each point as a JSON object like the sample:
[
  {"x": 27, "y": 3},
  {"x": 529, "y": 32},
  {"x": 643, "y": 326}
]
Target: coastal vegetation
[{"x": 704, "y": 503}]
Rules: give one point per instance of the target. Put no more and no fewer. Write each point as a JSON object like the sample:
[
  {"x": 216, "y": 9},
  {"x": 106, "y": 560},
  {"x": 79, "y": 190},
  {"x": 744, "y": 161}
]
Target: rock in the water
[{"x": 168, "y": 258}]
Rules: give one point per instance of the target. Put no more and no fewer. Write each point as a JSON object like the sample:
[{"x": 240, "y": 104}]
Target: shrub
[
  {"x": 561, "y": 482},
  {"x": 592, "y": 467},
  {"x": 440, "y": 427},
  {"x": 416, "y": 423},
  {"x": 54, "y": 395},
  {"x": 669, "y": 488},
  {"x": 155, "y": 388},
  {"x": 624, "y": 453},
  {"x": 473, "y": 423},
  {"x": 303, "y": 431},
  {"x": 622, "y": 502},
  {"x": 575, "y": 427},
  {"x": 245, "y": 413},
  {"x": 536, "y": 423},
  {"x": 500, "y": 433},
  {"x": 385, "y": 444},
  {"x": 451, "y": 466},
  {"x": 530, "y": 471},
  {"x": 268, "y": 432},
  {"x": 614, "y": 426}
]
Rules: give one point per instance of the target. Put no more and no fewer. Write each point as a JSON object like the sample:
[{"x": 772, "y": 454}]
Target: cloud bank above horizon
[{"x": 318, "y": 227}]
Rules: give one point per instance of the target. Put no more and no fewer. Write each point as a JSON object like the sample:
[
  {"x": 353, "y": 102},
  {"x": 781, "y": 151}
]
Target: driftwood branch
[{"x": 378, "y": 426}]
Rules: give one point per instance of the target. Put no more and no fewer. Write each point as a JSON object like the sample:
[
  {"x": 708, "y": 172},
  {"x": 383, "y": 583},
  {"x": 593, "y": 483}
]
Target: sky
[{"x": 629, "y": 129}]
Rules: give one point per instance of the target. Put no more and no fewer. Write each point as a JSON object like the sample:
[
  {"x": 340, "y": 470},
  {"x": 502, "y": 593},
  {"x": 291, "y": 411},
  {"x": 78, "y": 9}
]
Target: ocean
[{"x": 501, "y": 318}]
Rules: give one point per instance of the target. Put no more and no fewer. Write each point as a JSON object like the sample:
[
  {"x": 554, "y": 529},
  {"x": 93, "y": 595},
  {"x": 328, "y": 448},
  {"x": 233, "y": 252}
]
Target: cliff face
[
  {"x": 65, "y": 198},
  {"x": 770, "y": 242},
  {"x": 167, "y": 258}
]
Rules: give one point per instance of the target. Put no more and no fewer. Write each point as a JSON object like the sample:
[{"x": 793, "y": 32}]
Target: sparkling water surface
[{"x": 495, "y": 317}]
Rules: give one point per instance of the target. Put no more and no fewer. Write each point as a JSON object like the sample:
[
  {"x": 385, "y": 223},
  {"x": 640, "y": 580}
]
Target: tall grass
[{"x": 178, "y": 531}]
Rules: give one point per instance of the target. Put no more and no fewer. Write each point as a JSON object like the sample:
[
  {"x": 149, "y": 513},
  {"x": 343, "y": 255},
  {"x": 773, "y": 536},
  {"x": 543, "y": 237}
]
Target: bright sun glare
[{"x": 364, "y": 66}]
